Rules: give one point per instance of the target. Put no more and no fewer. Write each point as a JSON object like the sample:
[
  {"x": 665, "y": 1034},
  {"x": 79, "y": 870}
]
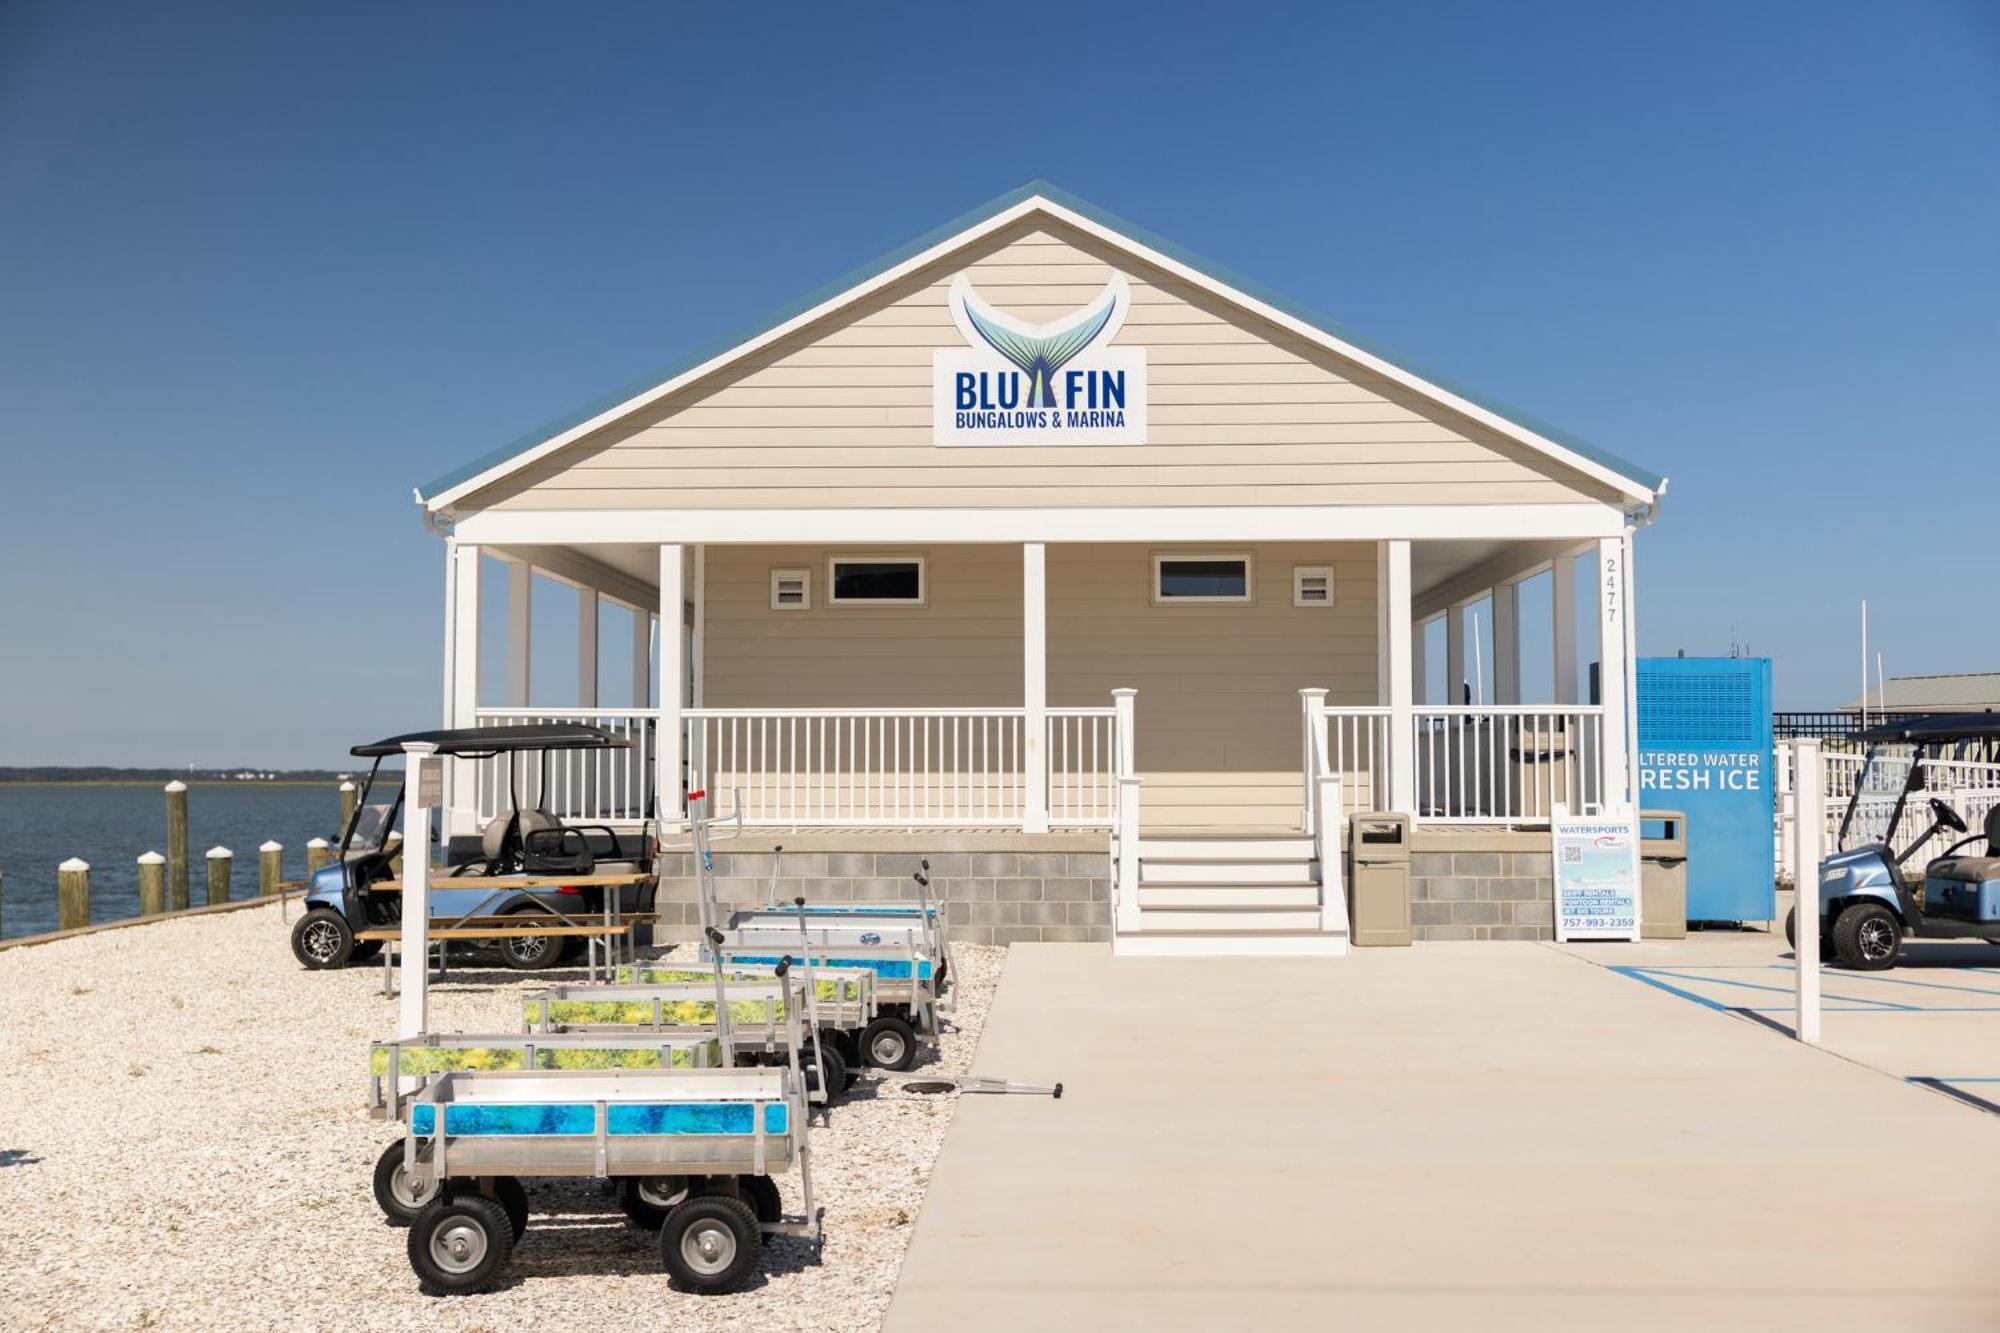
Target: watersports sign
[
  {"x": 1596, "y": 877},
  {"x": 1059, "y": 383}
]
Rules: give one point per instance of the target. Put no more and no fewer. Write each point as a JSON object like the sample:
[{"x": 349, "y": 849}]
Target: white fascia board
[
  {"x": 1234, "y": 523},
  {"x": 444, "y": 499}
]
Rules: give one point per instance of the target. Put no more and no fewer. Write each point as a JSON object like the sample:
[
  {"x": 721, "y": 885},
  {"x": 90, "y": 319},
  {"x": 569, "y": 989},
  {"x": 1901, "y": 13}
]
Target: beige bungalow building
[{"x": 1099, "y": 577}]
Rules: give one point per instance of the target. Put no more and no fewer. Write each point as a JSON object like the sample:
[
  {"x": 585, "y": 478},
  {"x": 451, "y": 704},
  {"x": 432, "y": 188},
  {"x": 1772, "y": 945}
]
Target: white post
[
  {"x": 1035, "y": 686},
  {"x": 1393, "y": 630},
  {"x": 1454, "y": 655},
  {"x": 1124, "y": 702},
  {"x": 520, "y": 630},
  {"x": 1507, "y": 643},
  {"x": 1808, "y": 829},
  {"x": 698, "y": 594},
  {"x": 671, "y": 665},
  {"x": 586, "y": 648},
  {"x": 1312, "y": 725},
  {"x": 1128, "y": 855},
  {"x": 642, "y": 658},
  {"x": 1420, "y": 683},
  {"x": 415, "y": 1000},
  {"x": 1329, "y": 843},
  {"x": 1562, "y": 623},
  {"x": 461, "y": 680},
  {"x": 1612, "y": 676}
]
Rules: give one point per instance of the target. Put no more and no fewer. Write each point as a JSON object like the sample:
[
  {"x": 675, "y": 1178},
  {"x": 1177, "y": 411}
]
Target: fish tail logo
[{"x": 1040, "y": 351}]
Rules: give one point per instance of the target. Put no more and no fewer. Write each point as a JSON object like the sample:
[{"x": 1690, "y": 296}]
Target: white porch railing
[
  {"x": 1326, "y": 812},
  {"x": 902, "y": 767},
  {"x": 1971, "y": 788},
  {"x": 579, "y": 786},
  {"x": 1501, "y": 763}
]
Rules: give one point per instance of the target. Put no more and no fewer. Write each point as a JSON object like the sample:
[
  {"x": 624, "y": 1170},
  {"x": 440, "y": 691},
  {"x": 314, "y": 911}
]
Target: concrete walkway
[{"x": 1484, "y": 1136}]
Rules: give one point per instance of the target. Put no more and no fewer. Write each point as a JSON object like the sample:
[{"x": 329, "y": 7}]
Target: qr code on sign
[{"x": 1572, "y": 856}]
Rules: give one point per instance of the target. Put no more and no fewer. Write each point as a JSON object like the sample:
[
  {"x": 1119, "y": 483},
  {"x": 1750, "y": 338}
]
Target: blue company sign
[
  {"x": 1704, "y": 739},
  {"x": 1059, "y": 383}
]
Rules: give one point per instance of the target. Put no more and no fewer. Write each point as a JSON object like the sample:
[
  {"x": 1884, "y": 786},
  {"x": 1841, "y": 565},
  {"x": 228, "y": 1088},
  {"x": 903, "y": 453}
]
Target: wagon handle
[{"x": 784, "y": 965}]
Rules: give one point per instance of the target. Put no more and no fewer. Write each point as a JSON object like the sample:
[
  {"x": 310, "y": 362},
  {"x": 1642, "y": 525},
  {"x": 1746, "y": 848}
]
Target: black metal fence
[{"x": 1829, "y": 726}]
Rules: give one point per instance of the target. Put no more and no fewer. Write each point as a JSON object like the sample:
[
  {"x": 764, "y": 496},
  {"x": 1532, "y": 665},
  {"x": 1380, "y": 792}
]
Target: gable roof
[{"x": 1639, "y": 484}]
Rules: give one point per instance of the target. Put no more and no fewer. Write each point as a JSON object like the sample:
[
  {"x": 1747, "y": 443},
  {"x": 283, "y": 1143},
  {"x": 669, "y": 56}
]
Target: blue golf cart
[
  {"x": 354, "y": 893},
  {"x": 1869, "y": 899}
]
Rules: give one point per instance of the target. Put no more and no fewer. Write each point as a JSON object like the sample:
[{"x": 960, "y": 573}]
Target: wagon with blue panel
[
  {"x": 905, "y": 984},
  {"x": 701, "y": 1145}
]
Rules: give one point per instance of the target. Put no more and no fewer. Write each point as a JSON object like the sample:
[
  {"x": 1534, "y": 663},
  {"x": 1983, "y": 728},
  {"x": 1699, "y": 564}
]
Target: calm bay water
[{"x": 43, "y": 825}]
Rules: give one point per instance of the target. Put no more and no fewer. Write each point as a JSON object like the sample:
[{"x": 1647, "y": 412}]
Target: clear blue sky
[{"x": 265, "y": 266}]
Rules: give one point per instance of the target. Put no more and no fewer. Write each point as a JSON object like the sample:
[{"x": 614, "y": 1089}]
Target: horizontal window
[
  {"x": 1201, "y": 578},
  {"x": 877, "y": 580}
]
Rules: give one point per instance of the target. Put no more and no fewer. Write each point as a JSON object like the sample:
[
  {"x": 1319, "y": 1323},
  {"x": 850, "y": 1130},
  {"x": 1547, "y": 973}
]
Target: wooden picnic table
[{"x": 436, "y": 936}]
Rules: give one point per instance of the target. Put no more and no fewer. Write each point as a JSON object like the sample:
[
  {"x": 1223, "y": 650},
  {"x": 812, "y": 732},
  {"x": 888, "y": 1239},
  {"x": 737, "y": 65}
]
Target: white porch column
[
  {"x": 461, "y": 680},
  {"x": 1562, "y": 620},
  {"x": 414, "y": 1009},
  {"x": 642, "y": 658},
  {"x": 1035, "y": 686},
  {"x": 520, "y": 630},
  {"x": 1393, "y": 633},
  {"x": 1612, "y": 611},
  {"x": 1507, "y": 643},
  {"x": 1420, "y": 684},
  {"x": 1454, "y": 655},
  {"x": 586, "y": 648},
  {"x": 672, "y": 663}
]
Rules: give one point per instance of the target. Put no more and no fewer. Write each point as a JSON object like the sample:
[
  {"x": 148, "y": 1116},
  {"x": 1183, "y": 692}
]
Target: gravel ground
[{"x": 182, "y": 1145}]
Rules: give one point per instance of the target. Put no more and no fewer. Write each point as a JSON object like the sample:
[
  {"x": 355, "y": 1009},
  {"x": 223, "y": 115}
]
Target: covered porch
[{"x": 1051, "y": 685}]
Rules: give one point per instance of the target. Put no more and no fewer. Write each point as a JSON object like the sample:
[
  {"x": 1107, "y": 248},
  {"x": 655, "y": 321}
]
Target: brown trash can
[
  {"x": 1378, "y": 894},
  {"x": 1663, "y": 884}
]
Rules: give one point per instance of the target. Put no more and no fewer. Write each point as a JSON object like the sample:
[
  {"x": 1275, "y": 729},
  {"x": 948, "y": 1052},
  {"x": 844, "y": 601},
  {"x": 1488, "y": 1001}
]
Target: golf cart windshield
[
  {"x": 373, "y": 825},
  {"x": 1875, "y": 805}
]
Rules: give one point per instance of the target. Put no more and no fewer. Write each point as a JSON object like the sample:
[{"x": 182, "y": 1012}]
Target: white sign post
[
  {"x": 421, "y": 779},
  {"x": 1596, "y": 860},
  {"x": 1808, "y": 830}
]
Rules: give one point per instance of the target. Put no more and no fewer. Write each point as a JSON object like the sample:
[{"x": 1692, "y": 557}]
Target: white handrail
[{"x": 1507, "y": 763}]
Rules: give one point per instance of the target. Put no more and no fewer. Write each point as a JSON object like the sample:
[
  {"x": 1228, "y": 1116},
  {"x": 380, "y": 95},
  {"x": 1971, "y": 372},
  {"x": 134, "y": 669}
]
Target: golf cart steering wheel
[{"x": 1946, "y": 816}]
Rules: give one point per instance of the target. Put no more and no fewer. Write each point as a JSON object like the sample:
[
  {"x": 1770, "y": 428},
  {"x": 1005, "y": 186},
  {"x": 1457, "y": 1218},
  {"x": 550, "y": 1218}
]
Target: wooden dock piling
[
  {"x": 73, "y": 894},
  {"x": 219, "y": 861},
  {"x": 318, "y": 853},
  {"x": 270, "y": 868},
  {"x": 349, "y": 793},
  {"x": 152, "y": 884},
  {"x": 177, "y": 845}
]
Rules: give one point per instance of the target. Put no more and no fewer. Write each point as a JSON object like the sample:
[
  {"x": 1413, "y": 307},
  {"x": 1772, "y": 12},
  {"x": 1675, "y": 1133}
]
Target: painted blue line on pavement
[
  {"x": 1780, "y": 990},
  {"x": 1905, "y": 981}
]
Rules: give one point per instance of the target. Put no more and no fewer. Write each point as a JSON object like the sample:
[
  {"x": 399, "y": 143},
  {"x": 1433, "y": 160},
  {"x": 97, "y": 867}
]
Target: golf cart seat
[{"x": 1972, "y": 869}]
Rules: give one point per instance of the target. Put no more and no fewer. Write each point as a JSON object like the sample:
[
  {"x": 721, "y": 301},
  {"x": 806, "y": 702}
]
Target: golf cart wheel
[
  {"x": 1826, "y": 954},
  {"x": 648, "y": 1199},
  {"x": 710, "y": 1242},
  {"x": 830, "y": 1061},
  {"x": 512, "y": 1196},
  {"x": 459, "y": 1244},
  {"x": 531, "y": 953},
  {"x": 1867, "y": 937},
  {"x": 889, "y": 1043},
  {"x": 399, "y": 1196},
  {"x": 322, "y": 940}
]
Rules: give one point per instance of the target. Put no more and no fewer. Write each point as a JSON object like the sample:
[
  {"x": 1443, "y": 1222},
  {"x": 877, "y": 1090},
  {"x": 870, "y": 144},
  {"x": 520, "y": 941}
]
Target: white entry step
[{"x": 1224, "y": 894}]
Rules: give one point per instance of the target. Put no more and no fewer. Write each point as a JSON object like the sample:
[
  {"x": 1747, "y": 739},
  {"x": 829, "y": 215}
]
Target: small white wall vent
[
  {"x": 1312, "y": 585},
  {"x": 791, "y": 589}
]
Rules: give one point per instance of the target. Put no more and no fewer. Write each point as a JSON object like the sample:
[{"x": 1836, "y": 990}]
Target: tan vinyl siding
[
  {"x": 1218, "y": 705},
  {"x": 1240, "y": 412}
]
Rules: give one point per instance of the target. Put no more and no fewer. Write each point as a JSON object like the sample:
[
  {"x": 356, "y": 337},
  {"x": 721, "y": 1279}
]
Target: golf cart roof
[
  {"x": 500, "y": 740},
  {"x": 1936, "y": 728}
]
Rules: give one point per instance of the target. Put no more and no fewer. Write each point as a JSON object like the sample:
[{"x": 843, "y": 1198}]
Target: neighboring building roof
[
  {"x": 1970, "y": 692},
  {"x": 1531, "y": 430}
]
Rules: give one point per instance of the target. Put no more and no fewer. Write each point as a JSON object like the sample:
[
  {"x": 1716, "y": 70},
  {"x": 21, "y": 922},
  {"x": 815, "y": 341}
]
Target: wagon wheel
[
  {"x": 648, "y": 1199},
  {"x": 512, "y": 1196},
  {"x": 399, "y": 1196},
  {"x": 458, "y": 1245},
  {"x": 710, "y": 1242},
  {"x": 889, "y": 1043}
]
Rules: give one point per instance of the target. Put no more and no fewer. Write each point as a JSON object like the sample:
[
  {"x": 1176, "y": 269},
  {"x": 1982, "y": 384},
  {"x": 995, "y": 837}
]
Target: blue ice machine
[{"x": 1705, "y": 750}]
